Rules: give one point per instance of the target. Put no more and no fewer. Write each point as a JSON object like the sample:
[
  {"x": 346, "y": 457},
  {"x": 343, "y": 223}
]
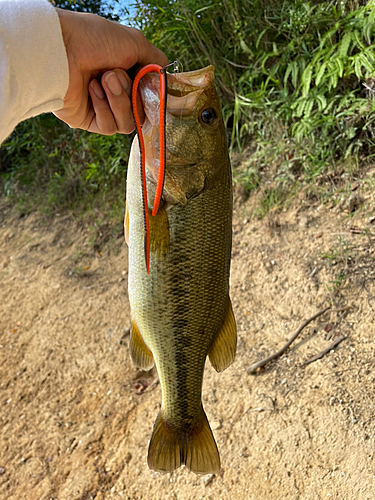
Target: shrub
[{"x": 296, "y": 77}]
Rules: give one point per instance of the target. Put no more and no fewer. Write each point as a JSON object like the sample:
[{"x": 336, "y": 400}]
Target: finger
[
  {"x": 147, "y": 52},
  {"x": 140, "y": 109},
  {"x": 117, "y": 86},
  {"x": 103, "y": 121}
]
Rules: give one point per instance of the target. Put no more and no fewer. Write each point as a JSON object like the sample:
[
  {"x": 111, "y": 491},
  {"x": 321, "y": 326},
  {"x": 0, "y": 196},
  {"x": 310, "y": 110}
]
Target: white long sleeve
[{"x": 34, "y": 72}]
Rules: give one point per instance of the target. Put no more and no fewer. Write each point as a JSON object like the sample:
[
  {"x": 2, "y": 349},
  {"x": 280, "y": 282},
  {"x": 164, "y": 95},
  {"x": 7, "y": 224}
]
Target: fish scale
[{"x": 182, "y": 308}]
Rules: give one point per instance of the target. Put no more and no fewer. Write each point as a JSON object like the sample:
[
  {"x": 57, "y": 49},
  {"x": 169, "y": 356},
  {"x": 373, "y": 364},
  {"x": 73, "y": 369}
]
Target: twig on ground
[
  {"x": 341, "y": 309},
  {"x": 326, "y": 351},
  {"x": 264, "y": 361},
  {"x": 260, "y": 409},
  {"x": 313, "y": 272},
  {"x": 358, "y": 230},
  {"x": 102, "y": 284},
  {"x": 152, "y": 386}
]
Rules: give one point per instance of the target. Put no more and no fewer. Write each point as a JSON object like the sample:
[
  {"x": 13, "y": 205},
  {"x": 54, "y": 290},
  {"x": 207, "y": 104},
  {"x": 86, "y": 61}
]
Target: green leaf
[
  {"x": 202, "y": 9},
  {"x": 358, "y": 40},
  {"x": 340, "y": 67},
  {"x": 302, "y": 65},
  {"x": 371, "y": 17},
  {"x": 308, "y": 107},
  {"x": 333, "y": 81},
  {"x": 245, "y": 47},
  {"x": 366, "y": 32},
  {"x": 320, "y": 73},
  {"x": 330, "y": 105},
  {"x": 260, "y": 37},
  {"x": 344, "y": 45},
  {"x": 287, "y": 73},
  {"x": 306, "y": 80},
  {"x": 299, "y": 130},
  {"x": 328, "y": 35},
  {"x": 322, "y": 102},
  {"x": 367, "y": 64},
  {"x": 321, "y": 55},
  {"x": 350, "y": 132},
  {"x": 301, "y": 107},
  {"x": 296, "y": 102},
  {"x": 295, "y": 73},
  {"x": 358, "y": 67}
]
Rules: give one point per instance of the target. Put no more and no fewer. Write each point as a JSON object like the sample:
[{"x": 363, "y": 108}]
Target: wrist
[{"x": 67, "y": 22}]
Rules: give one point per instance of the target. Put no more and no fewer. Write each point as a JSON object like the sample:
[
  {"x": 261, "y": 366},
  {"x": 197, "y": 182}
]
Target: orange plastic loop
[{"x": 161, "y": 173}]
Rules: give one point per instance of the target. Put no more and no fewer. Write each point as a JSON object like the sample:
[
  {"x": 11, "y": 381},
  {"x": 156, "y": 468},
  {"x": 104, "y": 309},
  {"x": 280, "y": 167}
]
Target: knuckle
[
  {"x": 128, "y": 129},
  {"x": 108, "y": 129}
]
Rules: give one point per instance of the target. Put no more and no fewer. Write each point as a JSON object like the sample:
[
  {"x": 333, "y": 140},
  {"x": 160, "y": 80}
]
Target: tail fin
[{"x": 170, "y": 448}]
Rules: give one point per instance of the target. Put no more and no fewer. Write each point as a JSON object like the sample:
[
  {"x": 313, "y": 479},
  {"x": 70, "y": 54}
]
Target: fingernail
[
  {"x": 97, "y": 89},
  {"x": 126, "y": 85},
  {"x": 113, "y": 83}
]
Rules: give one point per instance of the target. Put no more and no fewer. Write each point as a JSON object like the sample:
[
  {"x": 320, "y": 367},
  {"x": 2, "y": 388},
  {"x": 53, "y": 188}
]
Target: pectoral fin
[
  {"x": 126, "y": 223},
  {"x": 139, "y": 352},
  {"x": 223, "y": 348},
  {"x": 159, "y": 231}
]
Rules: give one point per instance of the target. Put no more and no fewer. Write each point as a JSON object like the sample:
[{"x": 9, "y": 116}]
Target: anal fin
[
  {"x": 139, "y": 352},
  {"x": 223, "y": 349}
]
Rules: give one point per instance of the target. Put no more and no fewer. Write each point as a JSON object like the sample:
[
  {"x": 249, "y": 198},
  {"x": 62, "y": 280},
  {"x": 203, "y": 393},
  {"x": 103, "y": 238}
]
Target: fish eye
[{"x": 208, "y": 116}]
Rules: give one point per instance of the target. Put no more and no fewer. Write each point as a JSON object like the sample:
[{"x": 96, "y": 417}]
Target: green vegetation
[
  {"x": 297, "y": 82},
  {"x": 44, "y": 162},
  {"x": 296, "y": 78},
  {"x": 340, "y": 253}
]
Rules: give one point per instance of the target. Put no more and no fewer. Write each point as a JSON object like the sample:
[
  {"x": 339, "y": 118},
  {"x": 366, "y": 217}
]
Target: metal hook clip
[{"x": 176, "y": 66}]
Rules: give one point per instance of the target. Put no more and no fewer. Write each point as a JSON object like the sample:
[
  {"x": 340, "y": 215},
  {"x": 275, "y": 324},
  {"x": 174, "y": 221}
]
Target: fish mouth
[
  {"x": 184, "y": 90},
  {"x": 181, "y": 84}
]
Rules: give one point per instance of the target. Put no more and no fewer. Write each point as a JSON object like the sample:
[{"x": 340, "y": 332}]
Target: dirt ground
[{"x": 76, "y": 416}]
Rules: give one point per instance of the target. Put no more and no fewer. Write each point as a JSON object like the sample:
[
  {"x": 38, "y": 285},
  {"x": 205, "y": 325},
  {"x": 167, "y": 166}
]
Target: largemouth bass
[{"x": 181, "y": 312}]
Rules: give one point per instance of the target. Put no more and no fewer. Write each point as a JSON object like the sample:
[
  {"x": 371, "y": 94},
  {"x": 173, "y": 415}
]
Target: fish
[{"x": 181, "y": 311}]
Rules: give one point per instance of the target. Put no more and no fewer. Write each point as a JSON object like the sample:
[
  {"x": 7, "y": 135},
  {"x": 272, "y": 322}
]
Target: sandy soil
[{"x": 76, "y": 416}]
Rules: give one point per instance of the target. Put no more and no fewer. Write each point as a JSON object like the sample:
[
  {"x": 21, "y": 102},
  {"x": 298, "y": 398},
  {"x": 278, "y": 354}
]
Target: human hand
[{"x": 94, "y": 47}]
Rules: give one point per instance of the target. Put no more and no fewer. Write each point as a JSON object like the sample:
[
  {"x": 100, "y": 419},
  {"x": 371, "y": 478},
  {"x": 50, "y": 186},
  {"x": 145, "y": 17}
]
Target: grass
[
  {"x": 343, "y": 255},
  {"x": 335, "y": 284},
  {"x": 296, "y": 81},
  {"x": 340, "y": 253}
]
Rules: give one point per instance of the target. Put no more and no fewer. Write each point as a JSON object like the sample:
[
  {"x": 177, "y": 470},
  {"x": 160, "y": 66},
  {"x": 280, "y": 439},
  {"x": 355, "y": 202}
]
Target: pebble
[
  {"x": 208, "y": 479},
  {"x": 216, "y": 425}
]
